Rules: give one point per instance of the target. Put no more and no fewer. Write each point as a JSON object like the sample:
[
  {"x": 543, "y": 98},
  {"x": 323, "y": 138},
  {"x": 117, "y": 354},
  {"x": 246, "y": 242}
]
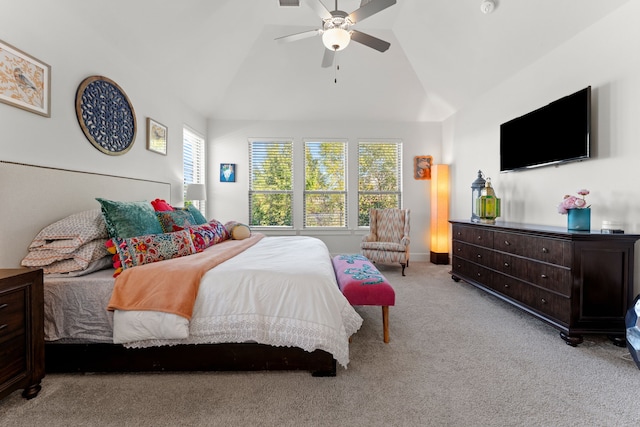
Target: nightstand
[{"x": 21, "y": 331}]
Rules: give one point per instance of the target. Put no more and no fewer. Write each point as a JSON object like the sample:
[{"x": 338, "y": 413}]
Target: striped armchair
[{"x": 388, "y": 238}]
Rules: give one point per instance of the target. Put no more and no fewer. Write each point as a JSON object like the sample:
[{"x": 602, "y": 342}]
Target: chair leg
[
  {"x": 385, "y": 323},
  {"x": 403, "y": 266}
]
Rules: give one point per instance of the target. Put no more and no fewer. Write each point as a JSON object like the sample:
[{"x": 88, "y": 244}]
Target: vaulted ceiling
[{"x": 222, "y": 59}]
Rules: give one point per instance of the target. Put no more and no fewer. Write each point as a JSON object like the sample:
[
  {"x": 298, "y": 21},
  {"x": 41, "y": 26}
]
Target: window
[
  {"x": 271, "y": 183},
  {"x": 379, "y": 177},
  {"x": 193, "y": 163},
  {"x": 325, "y": 195}
]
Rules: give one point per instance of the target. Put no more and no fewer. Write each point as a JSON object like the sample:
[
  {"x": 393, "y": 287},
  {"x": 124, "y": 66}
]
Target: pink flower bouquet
[{"x": 573, "y": 202}]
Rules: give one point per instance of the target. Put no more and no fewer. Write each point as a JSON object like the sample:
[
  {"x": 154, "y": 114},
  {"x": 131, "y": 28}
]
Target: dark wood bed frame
[{"x": 200, "y": 357}]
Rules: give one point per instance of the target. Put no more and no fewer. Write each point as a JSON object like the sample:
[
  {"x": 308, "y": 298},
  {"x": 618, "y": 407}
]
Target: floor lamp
[{"x": 440, "y": 214}]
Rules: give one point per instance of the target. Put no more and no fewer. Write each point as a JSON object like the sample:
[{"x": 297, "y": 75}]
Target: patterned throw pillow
[
  {"x": 129, "y": 219},
  {"x": 141, "y": 250},
  {"x": 175, "y": 220},
  {"x": 206, "y": 235}
]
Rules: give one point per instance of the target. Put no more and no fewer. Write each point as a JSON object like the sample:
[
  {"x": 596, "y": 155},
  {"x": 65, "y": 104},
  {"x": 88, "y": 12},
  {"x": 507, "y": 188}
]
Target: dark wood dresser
[
  {"x": 21, "y": 331},
  {"x": 578, "y": 282}
]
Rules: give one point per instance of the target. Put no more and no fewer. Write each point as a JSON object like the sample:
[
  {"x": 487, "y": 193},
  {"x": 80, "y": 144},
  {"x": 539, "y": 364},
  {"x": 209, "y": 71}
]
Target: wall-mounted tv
[{"x": 556, "y": 133}]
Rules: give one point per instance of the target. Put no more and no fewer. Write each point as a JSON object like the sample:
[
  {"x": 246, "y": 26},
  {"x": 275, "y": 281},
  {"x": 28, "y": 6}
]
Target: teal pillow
[
  {"x": 129, "y": 219},
  {"x": 197, "y": 215},
  {"x": 175, "y": 220}
]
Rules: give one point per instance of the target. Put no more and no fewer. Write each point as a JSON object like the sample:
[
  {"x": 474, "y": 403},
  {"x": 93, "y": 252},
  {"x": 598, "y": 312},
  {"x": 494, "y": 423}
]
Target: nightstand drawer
[
  {"x": 13, "y": 359},
  {"x": 12, "y": 311}
]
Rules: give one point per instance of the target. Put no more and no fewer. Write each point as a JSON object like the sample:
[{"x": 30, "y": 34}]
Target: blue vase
[{"x": 579, "y": 219}]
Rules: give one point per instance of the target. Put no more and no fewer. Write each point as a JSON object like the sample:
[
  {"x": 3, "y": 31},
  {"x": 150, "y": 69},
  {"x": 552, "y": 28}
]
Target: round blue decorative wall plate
[{"x": 106, "y": 115}]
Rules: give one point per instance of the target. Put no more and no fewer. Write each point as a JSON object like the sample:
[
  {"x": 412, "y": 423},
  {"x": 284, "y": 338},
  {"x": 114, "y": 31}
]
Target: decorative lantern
[
  {"x": 476, "y": 188},
  {"x": 488, "y": 204}
]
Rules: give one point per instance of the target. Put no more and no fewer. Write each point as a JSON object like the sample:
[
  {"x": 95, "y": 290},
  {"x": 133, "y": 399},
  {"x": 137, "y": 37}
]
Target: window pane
[
  {"x": 271, "y": 183},
  {"x": 271, "y": 209},
  {"x": 325, "y": 209},
  {"x": 379, "y": 177},
  {"x": 193, "y": 164},
  {"x": 325, "y": 196}
]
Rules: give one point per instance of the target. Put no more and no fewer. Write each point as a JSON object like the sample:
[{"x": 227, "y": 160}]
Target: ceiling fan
[{"x": 336, "y": 28}]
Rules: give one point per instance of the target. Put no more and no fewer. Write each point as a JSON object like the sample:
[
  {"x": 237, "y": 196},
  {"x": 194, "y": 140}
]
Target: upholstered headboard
[{"x": 32, "y": 197}]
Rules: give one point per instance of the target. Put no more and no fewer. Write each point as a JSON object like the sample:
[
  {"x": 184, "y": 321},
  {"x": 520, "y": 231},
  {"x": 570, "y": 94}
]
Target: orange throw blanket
[{"x": 171, "y": 286}]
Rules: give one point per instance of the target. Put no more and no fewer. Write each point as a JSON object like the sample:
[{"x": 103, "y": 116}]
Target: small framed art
[
  {"x": 156, "y": 136},
  {"x": 25, "y": 82},
  {"x": 227, "y": 172},
  {"x": 422, "y": 167}
]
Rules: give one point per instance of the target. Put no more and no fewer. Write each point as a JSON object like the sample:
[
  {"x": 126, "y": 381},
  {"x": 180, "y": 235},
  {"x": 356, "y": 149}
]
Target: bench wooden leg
[{"x": 385, "y": 323}]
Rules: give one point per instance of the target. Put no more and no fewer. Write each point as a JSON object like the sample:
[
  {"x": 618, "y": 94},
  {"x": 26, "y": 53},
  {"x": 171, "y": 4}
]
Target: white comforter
[{"x": 282, "y": 291}]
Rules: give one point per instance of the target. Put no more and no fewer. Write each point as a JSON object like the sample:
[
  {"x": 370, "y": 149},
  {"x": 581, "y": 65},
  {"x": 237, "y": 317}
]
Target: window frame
[
  {"x": 397, "y": 147},
  {"x": 344, "y": 217},
  {"x": 289, "y": 192}
]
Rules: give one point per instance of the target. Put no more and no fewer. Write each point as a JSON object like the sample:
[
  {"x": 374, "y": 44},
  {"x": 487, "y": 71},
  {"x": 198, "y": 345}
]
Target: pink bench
[{"x": 362, "y": 284}]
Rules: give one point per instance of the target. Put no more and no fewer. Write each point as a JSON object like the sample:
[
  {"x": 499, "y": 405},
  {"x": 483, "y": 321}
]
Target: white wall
[
  {"x": 228, "y": 143},
  {"x": 74, "y": 51},
  {"x": 604, "y": 56}
]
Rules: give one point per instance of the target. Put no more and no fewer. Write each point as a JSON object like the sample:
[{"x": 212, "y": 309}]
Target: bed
[{"x": 287, "y": 337}]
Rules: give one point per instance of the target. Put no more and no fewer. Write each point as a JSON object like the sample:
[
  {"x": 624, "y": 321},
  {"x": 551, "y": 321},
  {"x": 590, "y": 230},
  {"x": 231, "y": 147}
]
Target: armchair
[{"x": 388, "y": 238}]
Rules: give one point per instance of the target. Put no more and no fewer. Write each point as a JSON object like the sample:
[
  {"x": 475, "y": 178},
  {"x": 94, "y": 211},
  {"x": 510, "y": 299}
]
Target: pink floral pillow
[{"x": 134, "y": 251}]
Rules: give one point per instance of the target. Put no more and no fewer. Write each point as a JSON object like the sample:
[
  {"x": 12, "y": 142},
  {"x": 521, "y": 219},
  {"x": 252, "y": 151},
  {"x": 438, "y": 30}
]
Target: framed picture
[
  {"x": 422, "y": 167},
  {"x": 25, "y": 82},
  {"x": 156, "y": 136},
  {"x": 227, "y": 172}
]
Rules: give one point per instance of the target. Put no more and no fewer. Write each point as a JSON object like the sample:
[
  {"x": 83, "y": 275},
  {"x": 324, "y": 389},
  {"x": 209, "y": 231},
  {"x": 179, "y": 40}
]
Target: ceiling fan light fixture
[{"x": 336, "y": 38}]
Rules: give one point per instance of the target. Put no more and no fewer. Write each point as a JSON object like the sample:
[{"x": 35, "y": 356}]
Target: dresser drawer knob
[
  {"x": 507, "y": 286},
  {"x": 479, "y": 274},
  {"x": 545, "y": 250},
  {"x": 544, "y": 276},
  {"x": 479, "y": 237},
  {"x": 479, "y": 256},
  {"x": 459, "y": 249},
  {"x": 507, "y": 243},
  {"x": 506, "y": 264},
  {"x": 3, "y": 306},
  {"x": 542, "y": 300}
]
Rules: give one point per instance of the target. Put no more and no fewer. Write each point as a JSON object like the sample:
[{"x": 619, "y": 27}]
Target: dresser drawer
[
  {"x": 470, "y": 270},
  {"x": 474, "y": 235},
  {"x": 547, "y": 303},
  {"x": 510, "y": 264},
  {"x": 473, "y": 253},
  {"x": 509, "y": 286},
  {"x": 553, "y": 251},
  {"x": 12, "y": 312},
  {"x": 553, "y": 278}
]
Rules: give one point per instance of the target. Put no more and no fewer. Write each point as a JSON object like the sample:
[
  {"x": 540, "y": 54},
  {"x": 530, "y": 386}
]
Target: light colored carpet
[{"x": 457, "y": 357}]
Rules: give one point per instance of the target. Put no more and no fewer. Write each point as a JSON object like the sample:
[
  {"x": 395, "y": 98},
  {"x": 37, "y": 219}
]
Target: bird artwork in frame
[
  {"x": 422, "y": 167},
  {"x": 227, "y": 172},
  {"x": 25, "y": 82}
]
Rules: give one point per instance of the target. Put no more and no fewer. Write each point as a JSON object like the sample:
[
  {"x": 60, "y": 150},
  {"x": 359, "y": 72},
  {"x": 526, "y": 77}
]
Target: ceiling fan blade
[
  {"x": 319, "y": 8},
  {"x": 298, "y": 36},
  {"x": 327, "y": 59},
  {"x": 367, "y": 40},
  {"x": 371, "y": 8}
]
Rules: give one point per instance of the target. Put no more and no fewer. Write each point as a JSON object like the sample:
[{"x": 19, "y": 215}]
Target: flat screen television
[{"x": 556, "y": 133}]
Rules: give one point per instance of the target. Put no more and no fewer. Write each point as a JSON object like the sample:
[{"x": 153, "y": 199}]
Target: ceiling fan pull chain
[{"x": 335, "y": 78}]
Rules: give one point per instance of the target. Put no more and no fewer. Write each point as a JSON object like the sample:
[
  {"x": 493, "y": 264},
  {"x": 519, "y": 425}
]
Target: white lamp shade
[
  {"x": 336, "y": 38},
  {"x": 196, "y": 192}
]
